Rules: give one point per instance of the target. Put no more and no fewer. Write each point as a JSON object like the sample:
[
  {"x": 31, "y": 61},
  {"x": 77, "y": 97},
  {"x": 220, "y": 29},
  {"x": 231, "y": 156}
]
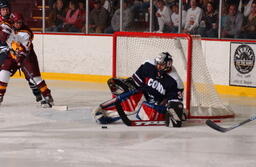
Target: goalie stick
[{"x": 223, "y": 130}]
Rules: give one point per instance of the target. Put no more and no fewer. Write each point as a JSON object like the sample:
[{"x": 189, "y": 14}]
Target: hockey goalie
[{"x": 153, "y": 93}]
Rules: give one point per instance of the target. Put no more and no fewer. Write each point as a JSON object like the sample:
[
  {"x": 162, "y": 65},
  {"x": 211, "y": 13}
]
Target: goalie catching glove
[{"x": 118, "y": 85}]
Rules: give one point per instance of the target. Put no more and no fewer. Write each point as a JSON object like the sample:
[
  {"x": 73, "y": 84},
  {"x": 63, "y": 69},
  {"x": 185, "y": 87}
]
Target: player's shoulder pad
[
  {"x": 5, "y": 23},
  {"x": 6, "y": 27},
  {"x": 176, "y": 77},
  {"x": 152, "y": 62},
  {"x": 148, "y": 64},
  {"x": 26, "y": 33}
]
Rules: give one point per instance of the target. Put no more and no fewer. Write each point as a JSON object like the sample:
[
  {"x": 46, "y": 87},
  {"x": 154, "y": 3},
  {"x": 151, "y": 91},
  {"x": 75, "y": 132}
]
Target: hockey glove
[{"x": 175, "y": 113}]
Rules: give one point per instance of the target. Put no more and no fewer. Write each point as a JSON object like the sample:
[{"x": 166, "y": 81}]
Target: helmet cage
[{"x": 164, "y": 59}]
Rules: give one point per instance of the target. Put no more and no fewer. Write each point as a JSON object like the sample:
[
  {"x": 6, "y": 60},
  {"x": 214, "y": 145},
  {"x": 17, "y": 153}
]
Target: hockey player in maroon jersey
[
  {"x": 22, "y": 56},
  {"x": 161, "y": 93},
  {"x": 5, "y": 23},
  {"x": 5, "y": 29}
]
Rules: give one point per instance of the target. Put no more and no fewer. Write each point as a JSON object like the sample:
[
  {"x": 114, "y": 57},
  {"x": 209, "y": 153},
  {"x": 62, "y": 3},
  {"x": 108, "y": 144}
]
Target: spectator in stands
[
  {"x": 91, "y": 4},
  {"x": 209, "y": 22},
  {"x": 232, "y": 2},
  {"x": 106, "y": 5},
  {"x": 233, "y": 23},
  {"x": 155, "y": 26},
  {"x": 224, "y": 14},
  {"x": 215, "y": 4},
  {"x": 163, "y": 15},
  {"x": 127, "y": 19},
  {"x": 175, "y": 18},
  {"x": 140, "y": 8},
  {"x": 114, "y": 5},
  {"x": 71, "y": 17},
  {"x": 80, "y": 23},
  {"x": 248, "y": 29},
  {"x": 51, "y": 4},
  {"x": 171, "y": 2},
  {"x": 193, "y": 18},
  {"x": 185, "y": 4},
  {"x": 56, "y": 17},
  {"x": 98, "y": 18},
  {"x": 247, "y": 8}
]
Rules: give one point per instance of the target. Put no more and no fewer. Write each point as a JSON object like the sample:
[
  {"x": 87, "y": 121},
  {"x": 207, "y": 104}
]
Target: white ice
[{"x": 34, "y": 137}]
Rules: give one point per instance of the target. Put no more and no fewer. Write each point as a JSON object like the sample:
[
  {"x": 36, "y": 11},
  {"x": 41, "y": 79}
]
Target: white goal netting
[{"x": 201, "y": 99}]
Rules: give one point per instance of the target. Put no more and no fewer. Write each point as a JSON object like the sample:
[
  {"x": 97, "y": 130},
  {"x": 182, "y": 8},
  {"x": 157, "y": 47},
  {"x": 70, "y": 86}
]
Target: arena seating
[{"x": 32, "y": 12}]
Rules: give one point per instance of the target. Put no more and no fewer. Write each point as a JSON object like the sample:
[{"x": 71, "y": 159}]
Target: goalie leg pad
[
  {"x": 152, "y": 112},
  {"x": 175, "y": 113}
]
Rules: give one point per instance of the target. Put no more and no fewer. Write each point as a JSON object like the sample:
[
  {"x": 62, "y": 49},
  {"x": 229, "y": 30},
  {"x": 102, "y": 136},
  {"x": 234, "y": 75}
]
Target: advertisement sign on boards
[{"x": 242, "y": 64}]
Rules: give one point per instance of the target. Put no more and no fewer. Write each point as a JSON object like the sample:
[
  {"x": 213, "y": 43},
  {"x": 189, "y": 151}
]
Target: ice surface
[{"x": 34, "y": 137}]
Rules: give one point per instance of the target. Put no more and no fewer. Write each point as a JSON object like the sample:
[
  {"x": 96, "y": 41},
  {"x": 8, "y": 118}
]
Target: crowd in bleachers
[
  {"x": 238, "y": 17},
  {"x": 66, "y": 16}
]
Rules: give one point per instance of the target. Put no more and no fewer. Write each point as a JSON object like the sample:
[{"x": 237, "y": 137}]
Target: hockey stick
[
  {"x": 120, "y": 98},
  {"x": 129, "y": 122},
  {"x": 223, "y": 130}
]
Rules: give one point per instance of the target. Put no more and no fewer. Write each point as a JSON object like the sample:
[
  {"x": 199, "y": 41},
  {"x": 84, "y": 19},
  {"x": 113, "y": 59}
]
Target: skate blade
[
  {"x": 55, "y": 107},
  {"x": 60, "y": 108}
]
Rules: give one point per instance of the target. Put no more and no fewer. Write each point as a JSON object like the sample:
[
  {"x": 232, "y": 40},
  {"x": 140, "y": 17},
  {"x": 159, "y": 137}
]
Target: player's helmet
[
  {"x": 4, "y": 4},
  {"x": 16, "y": 17},
  {"x": 164, "y": 59}
]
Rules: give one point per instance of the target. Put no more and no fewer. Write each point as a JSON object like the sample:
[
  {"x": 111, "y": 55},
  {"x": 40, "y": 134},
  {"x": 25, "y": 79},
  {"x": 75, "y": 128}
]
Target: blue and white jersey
[{"x": 156, "y": 89}]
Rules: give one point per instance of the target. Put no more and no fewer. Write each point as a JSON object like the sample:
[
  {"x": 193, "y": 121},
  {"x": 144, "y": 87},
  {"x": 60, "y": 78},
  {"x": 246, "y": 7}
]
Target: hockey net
[{"x": 131, "y": 49}]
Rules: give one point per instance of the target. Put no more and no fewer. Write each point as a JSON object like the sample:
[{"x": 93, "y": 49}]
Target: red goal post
[{"x": 131, "y": 49}]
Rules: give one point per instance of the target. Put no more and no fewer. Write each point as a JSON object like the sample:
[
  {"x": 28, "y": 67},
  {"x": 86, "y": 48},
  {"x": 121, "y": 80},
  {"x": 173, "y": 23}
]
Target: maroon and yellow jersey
[
  {"x": 21, "y": 40},
  {"x": 5, "y": 29}
]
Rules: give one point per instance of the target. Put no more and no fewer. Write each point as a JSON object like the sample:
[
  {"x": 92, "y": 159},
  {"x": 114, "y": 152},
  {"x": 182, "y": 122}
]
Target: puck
[{"x": 104, "y": 127}]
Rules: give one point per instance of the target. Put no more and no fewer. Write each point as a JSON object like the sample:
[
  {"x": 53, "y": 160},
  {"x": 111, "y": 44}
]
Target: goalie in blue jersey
[{"x": 159, "y": 90}]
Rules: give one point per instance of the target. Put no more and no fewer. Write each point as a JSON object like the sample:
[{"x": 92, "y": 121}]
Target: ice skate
[
  {"x": 47, "y": 102},
  {"x": 39, "y": 98},
  {"x": 1, "y": 99}
]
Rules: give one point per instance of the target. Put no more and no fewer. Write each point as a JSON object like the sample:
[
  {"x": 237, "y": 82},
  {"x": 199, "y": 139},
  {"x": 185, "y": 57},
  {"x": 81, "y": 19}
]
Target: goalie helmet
[{"x": 164, "y": 61}]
